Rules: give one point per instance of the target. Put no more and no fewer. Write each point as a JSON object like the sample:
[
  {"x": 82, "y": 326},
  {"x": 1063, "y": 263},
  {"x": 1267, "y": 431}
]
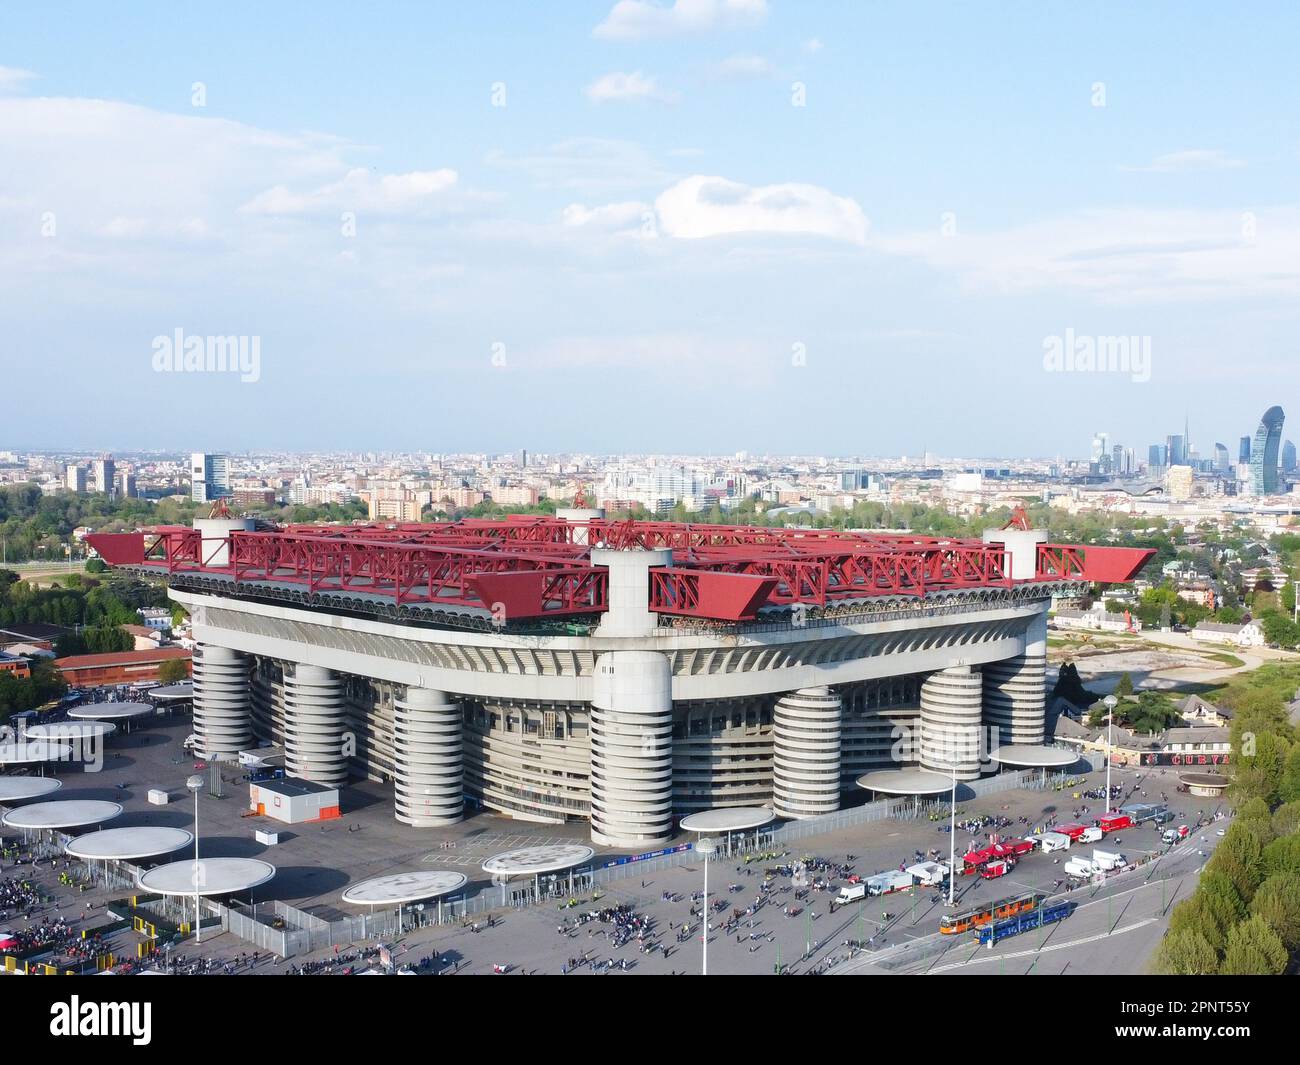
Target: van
[
  {"x": 1091, "y": 835},
  {"x": 851, "y": 893},
  {"x": 1169, "y": 835},
  {"x": 1054, "y": 841}
]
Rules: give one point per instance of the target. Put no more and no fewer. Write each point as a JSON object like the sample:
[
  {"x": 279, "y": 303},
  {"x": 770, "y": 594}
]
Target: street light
[
  {"x": 194, "y": 783},
  {"x": 706, "y": 847},
  {"x": 1110, "y": 702}
]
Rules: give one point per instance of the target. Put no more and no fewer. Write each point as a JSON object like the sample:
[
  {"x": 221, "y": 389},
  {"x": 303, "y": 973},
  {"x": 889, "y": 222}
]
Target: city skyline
[{"x": 715, "y": 214}]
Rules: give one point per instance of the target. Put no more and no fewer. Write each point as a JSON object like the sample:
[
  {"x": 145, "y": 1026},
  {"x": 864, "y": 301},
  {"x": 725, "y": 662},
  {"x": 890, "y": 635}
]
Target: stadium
[{"x": 625, "y": 673}]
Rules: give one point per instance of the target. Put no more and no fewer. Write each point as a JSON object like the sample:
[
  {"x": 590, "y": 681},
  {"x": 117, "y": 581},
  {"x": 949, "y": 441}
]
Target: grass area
[
  {"x": 1281, "y": 679},
  {"x": 1225, "y": 658}
]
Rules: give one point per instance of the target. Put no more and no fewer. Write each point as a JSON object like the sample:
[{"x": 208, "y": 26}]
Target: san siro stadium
[{"x": 622, "y": 672}]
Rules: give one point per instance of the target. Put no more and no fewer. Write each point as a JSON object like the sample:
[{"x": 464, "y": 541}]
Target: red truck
[
  {"x": 1071, "y": 830},
  {"x": 972, "y": 860},
  {"x": 995, "y": 869},
  {"x": 1114, "y": 822},
  {"x": 1012, "y": 848}
]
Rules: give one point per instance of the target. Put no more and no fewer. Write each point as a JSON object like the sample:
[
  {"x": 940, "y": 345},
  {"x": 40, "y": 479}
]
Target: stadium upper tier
[{"x": 533, "y": 567}]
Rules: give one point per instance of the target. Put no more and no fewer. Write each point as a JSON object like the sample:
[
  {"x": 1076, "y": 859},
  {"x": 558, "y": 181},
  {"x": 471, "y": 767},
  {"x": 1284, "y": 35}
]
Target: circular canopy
[
  {"x": 63, "y": 813},
  {"x": 111, "y": 711},
  {"x": 128, "y": 843},
  {"x": 1034, "y": 756},
  {"x": 214, "y": 876},
  {"x": 728, "y": 819},
  {"x": 404, "y": 887},
  {"x": 27, "y": 753},
  {"x": 1203, "y": 780},
  {"x": 72, "y": 731},
  {"x": 172, "y": 692},
  {"x": 16, "y": 789},
  {"x": 538, "y": 859},
  {"x": 906, "y": 782}
]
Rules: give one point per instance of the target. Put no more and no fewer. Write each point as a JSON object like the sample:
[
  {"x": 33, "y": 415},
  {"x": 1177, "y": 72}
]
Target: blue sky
[{"x": 663, "y": 250}]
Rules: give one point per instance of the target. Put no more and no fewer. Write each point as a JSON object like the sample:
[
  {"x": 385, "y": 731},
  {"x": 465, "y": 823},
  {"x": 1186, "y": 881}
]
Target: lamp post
[
  {"x": 952, "y": 838},
  {"x": 1110, "y": 702},
  {"x": 194, "y": 783},
  {"x": 708, "y": 848}
]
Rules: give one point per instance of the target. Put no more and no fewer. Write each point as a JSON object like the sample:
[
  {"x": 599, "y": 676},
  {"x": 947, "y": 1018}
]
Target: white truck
[
  {"x": 887, "y": 883},
  {"x": 1079, "y": 869},
  {"x": 1091, "y": 834},
  {"x": 851, "y": 893},
  {"x": 1054, "y": 841},
  {"x": 929, "y": 874},
  {"x": 1108, "y": 860}
]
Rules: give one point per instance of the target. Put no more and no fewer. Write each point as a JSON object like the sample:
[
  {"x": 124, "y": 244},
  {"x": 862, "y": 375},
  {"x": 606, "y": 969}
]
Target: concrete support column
[
  {"x": 1015, "y": 691},
  {"x": 428, "y": 769},
  {"x": 314, "y": 725},
  {"x": 951, "y": 702},
  {"x": 222, "y": 702},
  {"x": 632, "y": 749},
  {"x": 806, "y": 753}
]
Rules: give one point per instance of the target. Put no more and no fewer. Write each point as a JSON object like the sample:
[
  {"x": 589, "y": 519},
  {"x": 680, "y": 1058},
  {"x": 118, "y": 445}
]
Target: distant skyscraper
[
  {"x": 1243, "y": 452},
  {"x": 1288, "y": 457},
  {"x": 1175, "y": 448},
  {"x": 1264, "y": 480},
  {"x": 1157, "y": 456},
  {"x": 209, "y": 477},
  {"x": 75, "y": 478},
  {"x": 103, "y": 472},
  {"x": 1117, "y": 459},
  {"x": 1221, "y": 463}
]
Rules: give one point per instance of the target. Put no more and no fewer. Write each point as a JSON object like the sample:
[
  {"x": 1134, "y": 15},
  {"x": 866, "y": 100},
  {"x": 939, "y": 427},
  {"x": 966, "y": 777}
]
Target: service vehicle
[
  {"x": 1074, "y": 831},
  {"x": 1114, "y": 822},
  {"x": 996, "y": 868},
  {"x": 1091, "y": 834},
  {"x": 888, "y": 883},
  {"x": 1079, "y": 869},
  {"x": 1108, "y": 860},
  {"x": 929, "y": 874},
  {"x": 1054, "y": 841},
  {"x": 1012, "y": 848},
  {"x": 851, "y": 893}
]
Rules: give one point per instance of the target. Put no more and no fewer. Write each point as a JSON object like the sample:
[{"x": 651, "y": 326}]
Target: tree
[
  {"x": 1210, "y": 916},
  {"x": 1186, "y": 953},
  {"x": 1254, "y": 949},
  {"x": 95, "y": 565},
  {"x": 1286, "y": 819},
  {"x": 1278, "y": 902},
  {"x": 1240, "y": 858},
  {"x": 1125, "y": 686},
  {"x": 1282, "y": 856},
  {"x": 173, "y": 671}
]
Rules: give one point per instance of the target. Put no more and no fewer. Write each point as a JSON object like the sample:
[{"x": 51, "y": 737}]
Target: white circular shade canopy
[
  {"x": 25, "y": 753},
  {"x": 19, "y": 789},
  {"x": 207, "y": 876},
  {"x": 71, "y": 731},
  {"x": 125, "y": 844},
  {"x": 906, "y": 782},
  {"x": 63, "y": 813},
  {"x": 404, "y": 887},
  {"x": 533, "y": 860},
  {"x": 728, "y": 819},
  {"x": 172, "y": 692},
  {"x": 111, "y": 711},
  {"x": 1034, "y": 757}
]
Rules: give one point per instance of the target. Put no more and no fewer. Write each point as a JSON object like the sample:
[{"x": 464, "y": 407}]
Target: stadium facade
[{"x": 625, "y": 673}]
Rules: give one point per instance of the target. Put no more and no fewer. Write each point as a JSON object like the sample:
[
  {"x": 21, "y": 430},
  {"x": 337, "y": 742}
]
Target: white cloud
[
  {"x": 703, "y": 206},
  {"x": 12, "y": 78},
  {"x": 588, "y": 165},
  {"x": 608, "y": 216},
  {"x": 812, "y": 45},
  {"x": 1125, "y": 255},
  {"x": 638, "y": 20},
  {"x": 619, "y": 87},
  {"x": 740, "y": 67},
  {"x": 1191, "y": 160},
  {"x": 359, "y": 190}
]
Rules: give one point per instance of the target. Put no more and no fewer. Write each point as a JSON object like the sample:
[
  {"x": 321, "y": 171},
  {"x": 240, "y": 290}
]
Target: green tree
[
  {"x": 1278, "y": 902},
  {"x": 1186, "y": 953},
  {"x": 1286, "y": 819},
  {"x": 1282, "y": 856},
  {"x": 1125, "y": 685},
  {"x": 1254, "y": 949},
  {"x": 1239, "y": 857}
]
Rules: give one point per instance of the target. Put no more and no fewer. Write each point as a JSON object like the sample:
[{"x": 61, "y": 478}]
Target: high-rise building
[
  {"x": 1117, "y": 459},
  {"x": 1243, "y": 452},
  {"x": 1176, "y": 448},
  {"x": 1221, "y": 463},
  {"x": 1264, "y": 480},
  {"x": 125, "y": 485},
  {"x": 103, "y": 475},
  {"x": 1157, "y": 456},
  {"x": 209, "y": 477},
  {"x": 75, "y": 477},
  {"x": 1288, "y": 457}
]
